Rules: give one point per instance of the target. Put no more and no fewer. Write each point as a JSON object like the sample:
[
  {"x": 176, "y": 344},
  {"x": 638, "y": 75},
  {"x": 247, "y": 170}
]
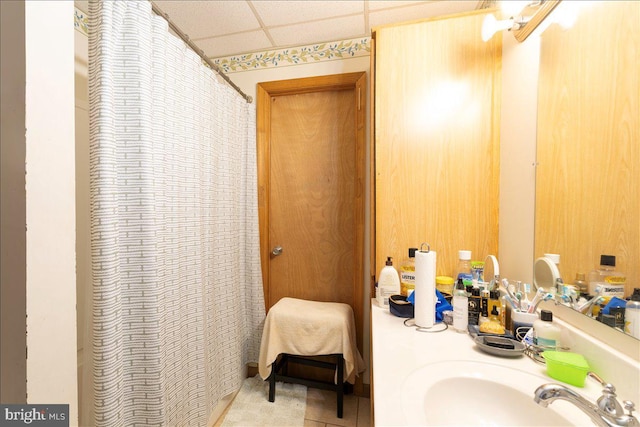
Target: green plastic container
[{"x": 570, "y": 368}]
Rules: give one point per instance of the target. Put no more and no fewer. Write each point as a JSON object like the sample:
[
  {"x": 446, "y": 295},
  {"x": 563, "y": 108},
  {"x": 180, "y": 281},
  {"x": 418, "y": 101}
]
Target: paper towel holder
[{"x": 428, "y": 247}]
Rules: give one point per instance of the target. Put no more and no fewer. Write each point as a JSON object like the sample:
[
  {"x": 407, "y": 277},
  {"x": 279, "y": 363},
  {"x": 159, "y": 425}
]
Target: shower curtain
[{"x": 177, "y": 297}]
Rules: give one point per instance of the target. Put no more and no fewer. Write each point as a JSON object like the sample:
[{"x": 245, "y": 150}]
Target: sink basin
[{"x": 473, "y": 393}]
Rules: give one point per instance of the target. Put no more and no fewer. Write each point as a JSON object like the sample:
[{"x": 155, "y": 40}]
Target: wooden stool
[
  {"x": 296, "y": 330},
  {"x": 281, "y": 366}
]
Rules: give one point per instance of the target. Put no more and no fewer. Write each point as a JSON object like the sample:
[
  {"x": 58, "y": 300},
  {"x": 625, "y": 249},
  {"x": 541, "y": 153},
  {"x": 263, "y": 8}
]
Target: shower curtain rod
[{"x": 197, "y": 50}]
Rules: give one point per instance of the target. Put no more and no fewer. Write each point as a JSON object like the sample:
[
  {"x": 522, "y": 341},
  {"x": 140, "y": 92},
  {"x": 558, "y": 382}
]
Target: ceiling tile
[
  {"x": 390, "y": 4},
  {"x": 251, "y": 41},
  {"x": 319, "y": 31},
  {"x": 200, "y": 19},
  {"x": 419, "y": 11},
  {"x": 274, "y": 13}
]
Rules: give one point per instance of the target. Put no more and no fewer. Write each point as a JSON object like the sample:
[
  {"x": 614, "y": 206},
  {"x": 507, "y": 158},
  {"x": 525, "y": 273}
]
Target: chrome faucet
[{"x": 606, "y": 412}]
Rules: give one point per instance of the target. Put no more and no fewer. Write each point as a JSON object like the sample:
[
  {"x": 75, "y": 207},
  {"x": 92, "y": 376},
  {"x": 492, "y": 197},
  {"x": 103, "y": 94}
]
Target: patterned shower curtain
[{"x": 177, "y": 289}]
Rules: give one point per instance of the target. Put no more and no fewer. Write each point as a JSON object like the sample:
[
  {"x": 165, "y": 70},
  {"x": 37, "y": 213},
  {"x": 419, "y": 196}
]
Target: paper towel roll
[{"x": 425, "y": 292}]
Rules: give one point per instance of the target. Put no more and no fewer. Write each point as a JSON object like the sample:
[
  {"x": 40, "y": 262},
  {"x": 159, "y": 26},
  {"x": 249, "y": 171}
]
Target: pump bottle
[{"x": 388, "y": 283}]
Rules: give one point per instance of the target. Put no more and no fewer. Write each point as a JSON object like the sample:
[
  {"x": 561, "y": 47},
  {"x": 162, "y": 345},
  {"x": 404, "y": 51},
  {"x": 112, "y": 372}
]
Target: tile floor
[{"x": 321, "y": 410}]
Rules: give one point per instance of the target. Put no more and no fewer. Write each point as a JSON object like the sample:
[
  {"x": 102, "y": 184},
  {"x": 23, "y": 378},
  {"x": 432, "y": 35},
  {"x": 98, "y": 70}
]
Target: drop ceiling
[{"x": 234, "y": 27}]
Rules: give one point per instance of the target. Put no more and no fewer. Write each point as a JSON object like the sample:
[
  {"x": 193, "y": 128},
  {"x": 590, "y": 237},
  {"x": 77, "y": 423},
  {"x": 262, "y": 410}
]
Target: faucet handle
[
  {"x": 608, "y": 402},
  {"x": 629, "y": 406}
]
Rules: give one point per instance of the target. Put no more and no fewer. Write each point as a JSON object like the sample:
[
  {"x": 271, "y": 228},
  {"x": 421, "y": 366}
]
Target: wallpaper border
[
  {"x": 329, "y": 51},
  {"x": 81, "y": 22}
]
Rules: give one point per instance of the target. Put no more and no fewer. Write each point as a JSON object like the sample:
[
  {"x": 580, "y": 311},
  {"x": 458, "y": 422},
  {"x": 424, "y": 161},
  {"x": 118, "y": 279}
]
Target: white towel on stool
[{"x": 310, "y": 328}]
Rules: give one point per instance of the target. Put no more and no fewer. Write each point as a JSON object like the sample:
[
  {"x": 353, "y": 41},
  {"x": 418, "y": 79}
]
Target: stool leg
[
  {"x": 272, "y": 383},
  {"x": 340, "y": 385}
]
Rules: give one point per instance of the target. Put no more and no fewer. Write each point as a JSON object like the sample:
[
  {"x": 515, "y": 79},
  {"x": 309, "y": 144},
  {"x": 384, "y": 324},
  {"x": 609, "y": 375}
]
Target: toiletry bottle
[
  {"x": 460, "y": 308},
  {"x": 484, "y": 311},
  {"x": 494, "y": 302},
  {"x": 464, "y": 266},
  {"x": 632, "y": 314},
  {"x": 474, "y": 306},
  {"x": 546, "y": 333},
  {"x": 408, "y": 274},
  {"x": 505, "y": 313},
  {"x": 445, "y": 285},
  {"x": 581, "y": 283},
  {"x": 477, "y": 272},
  {"x": 388, "y": 283},
  {"x": 612, "y": 282}
]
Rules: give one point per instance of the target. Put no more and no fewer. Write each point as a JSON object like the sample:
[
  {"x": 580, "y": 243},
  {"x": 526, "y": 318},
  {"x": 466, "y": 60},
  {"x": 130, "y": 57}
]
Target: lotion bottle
[
  {"x": 546, "y": 333},
  {"x": 388, "y": 283}
]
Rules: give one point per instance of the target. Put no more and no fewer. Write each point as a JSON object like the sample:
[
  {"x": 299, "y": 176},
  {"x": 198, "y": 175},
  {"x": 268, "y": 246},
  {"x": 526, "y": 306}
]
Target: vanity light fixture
[{"x": 524, "y": 17}]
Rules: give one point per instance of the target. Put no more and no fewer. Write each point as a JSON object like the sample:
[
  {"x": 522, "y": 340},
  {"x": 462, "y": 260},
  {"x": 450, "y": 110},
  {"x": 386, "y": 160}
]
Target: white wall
[
  {"x": 518, "y": 156},
  {"x": 50, "y": 205}
]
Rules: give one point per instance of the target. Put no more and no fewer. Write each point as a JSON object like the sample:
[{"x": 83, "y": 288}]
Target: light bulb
[{"x": 491, "y": 25}]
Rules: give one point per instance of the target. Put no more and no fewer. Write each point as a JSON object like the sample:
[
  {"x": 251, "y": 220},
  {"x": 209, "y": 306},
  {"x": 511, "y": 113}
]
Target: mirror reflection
[{"x": 588, "y": 157}]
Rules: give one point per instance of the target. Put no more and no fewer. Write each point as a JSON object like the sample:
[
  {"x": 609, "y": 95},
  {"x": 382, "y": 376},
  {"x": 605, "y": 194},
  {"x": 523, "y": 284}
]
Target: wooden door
[
  {"x": 311, "y": 206},
  {"x": 311, "y": 189}
]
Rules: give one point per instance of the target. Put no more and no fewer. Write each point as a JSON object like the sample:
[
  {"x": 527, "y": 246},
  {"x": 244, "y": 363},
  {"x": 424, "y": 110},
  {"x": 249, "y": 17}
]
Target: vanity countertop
[{"x": 398, "y": 350}]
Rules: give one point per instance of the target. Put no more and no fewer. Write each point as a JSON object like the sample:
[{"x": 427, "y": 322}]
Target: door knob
[{"x": 276, "y": 251}]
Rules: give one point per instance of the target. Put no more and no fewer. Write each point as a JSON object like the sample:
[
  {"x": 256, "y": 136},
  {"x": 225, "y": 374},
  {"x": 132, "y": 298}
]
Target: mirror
[{"x": 588, "y": 134}]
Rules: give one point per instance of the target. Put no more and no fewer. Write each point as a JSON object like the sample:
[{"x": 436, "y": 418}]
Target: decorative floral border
[
  {"x": 331, "y": 51},
  {"x": 81, "y": 22},
  {"x": 295, "y": 56}
]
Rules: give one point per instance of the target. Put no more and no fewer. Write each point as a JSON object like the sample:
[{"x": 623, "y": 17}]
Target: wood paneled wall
[
  {"x": 436, "y": 144},
  {"x": 588, "y": 146}
]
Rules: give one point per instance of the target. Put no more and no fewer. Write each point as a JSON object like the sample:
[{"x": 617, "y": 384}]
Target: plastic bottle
[
  {"x": 388, "y": 283},
  {"x": 546, "y": 333},
  {"x": 612, "y": 282},
  {"x": 632, "y": 314},
  {"x": 460, "y": 308},
  {"x": 494, "y": 302},
  {"x": 464, "y": 266},
  {"x": 474, "y": 304},
  {"x": 477, "y": 272},
  {"x": 445, "y": 285},
  {"x": 581, "y": 283},
  {"x": 408, "y": 273},
  {"x": 484, "y": 307}
]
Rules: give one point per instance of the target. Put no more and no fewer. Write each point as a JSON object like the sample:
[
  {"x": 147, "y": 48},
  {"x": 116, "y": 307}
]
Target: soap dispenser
[{"x": 388, "y": 283}]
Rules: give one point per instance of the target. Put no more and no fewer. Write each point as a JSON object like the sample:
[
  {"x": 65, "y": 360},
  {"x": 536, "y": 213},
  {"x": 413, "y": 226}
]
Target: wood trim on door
[{"x": 267, "y": 90}]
